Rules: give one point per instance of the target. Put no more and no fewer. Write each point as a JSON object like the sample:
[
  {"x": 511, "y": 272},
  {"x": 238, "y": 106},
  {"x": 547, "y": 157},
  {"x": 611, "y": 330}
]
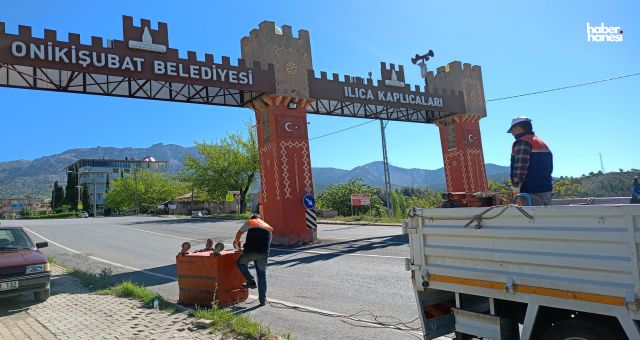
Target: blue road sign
[
  {"x": 16, "y": 206},
  {"x": 308, "y": 201}
]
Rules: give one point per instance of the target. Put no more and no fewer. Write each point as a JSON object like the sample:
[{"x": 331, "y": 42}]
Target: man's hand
[
  {"x": 237, "y": 245},
  {"x": 516, "y": 191}
]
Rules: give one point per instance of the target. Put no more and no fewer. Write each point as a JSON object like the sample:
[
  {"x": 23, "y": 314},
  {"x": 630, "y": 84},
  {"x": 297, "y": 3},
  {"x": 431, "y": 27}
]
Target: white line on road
[
  {"x": 173, "y": 277},
  {"x": 161, "y": 234},
  {"x": 335, "y": 252},
  {"x": 280, "y": 249},
  {"x": 100, "y": 259},
  {"x": 368, "y": 239}
]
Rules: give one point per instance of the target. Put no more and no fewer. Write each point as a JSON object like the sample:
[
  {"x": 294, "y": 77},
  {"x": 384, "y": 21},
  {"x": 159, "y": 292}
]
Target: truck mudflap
[
  {"x": 439, "y": 326},
  {"x": 483, "y": 325},
  {"x": 436, "y": 313}
]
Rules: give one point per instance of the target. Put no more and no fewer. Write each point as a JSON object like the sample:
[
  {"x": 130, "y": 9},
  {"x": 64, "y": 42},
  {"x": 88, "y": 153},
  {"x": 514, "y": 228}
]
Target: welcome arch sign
[{"x": 275, "y": 78}]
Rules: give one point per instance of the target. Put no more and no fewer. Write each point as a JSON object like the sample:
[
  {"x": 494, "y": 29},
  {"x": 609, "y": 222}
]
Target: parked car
[
  {"x": 84, "y": 214},
  {"x": 23, "y": 268}
]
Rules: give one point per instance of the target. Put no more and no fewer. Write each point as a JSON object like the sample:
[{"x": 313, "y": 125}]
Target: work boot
[
  {"x": 250, "y": 285},
  {"x": 263, "y": 302}
]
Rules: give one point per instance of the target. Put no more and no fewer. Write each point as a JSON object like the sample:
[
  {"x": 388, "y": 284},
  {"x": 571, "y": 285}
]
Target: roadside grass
[
  {"x": 93, "y": 281},
  {"x": 132, "y": 290},
  {"x": 224, "y": 320},
  {"x": 242, "y": 216}
]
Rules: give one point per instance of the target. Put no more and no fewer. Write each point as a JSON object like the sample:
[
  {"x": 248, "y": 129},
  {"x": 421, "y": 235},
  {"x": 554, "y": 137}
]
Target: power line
[
  {"x": 503, "y": 98},
  {"x": 345, "y": 129},
  {"x": 565, "y": 87}
]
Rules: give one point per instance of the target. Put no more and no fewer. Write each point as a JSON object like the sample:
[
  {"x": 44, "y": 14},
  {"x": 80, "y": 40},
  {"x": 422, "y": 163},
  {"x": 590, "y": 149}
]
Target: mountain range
[{"x": 35, "y": 178}]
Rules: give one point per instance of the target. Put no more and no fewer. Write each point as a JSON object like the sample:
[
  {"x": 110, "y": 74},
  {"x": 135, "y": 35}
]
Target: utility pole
[
  {"x": 78, "y": 186},
  {"x": 387, "y": 176},
  {"x": 385, "y": 162}
]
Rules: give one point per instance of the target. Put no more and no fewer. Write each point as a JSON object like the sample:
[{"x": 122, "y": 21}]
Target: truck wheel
[
  {"x": 574, "y": 330},
  {"x": 42, "y": 295}
]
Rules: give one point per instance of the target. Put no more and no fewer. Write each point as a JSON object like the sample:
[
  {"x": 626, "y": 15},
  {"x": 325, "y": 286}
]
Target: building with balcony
[{"x": 96, "y": 173}]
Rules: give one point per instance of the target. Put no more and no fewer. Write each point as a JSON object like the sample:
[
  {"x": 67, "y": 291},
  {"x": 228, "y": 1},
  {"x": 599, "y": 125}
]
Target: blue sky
[{"x": 521, "y": 46}]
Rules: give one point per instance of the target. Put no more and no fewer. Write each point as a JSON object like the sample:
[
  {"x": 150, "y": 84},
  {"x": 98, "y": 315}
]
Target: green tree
[
  {"x": 568, "y": 188},
  {"x": 230, "y": 164},
  {"x": 57, "y": 197},
  {"x": 85, "y": 197},
  {"x": 503, "y": 187},
  {"x": 396, "y": 197},
  {"x": 71, "y": 190},
  {"x": 152, "y": 188},
  {"x": 338, "y": 197}
]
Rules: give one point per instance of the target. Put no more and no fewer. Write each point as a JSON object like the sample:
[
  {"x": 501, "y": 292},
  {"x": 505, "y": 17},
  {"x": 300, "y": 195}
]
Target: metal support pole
[
  {"x": 387, "y": 176},
  {"x": 95, "y": 197}
]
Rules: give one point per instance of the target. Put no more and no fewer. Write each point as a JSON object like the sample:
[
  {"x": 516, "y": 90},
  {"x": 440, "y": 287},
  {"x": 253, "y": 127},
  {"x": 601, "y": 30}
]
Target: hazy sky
[{"x": 521, "y": 47}]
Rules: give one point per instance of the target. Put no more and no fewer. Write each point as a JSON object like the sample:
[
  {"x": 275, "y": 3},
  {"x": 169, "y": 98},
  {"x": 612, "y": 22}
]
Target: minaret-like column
[
  {"x": 464, "y": 166},
  {"x": 283, "y": 142},
  {"x": 462, "y": 153},
  {"x": 285, "y": 167}
]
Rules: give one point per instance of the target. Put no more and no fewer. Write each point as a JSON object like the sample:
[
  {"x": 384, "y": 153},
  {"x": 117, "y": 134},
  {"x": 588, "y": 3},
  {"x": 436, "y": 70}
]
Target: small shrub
[{"x": 93, "y": 281}]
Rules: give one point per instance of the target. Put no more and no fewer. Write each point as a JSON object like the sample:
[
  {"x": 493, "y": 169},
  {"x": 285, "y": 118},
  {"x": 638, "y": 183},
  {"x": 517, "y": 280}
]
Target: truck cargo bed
[{"x": 577, "y": 257}]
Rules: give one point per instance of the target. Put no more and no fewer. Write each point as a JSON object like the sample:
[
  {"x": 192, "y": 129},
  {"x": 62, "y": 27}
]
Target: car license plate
[{"x": 9, "y": 285}]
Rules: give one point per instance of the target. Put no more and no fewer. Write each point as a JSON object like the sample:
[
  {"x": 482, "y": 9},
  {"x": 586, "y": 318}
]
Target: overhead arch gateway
[{"x": 275, "y": 78}]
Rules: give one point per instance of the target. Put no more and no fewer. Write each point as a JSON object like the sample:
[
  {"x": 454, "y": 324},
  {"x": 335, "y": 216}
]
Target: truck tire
[
  {"x": 42, "y": 295},
  {"x": 574, "y": 330}
]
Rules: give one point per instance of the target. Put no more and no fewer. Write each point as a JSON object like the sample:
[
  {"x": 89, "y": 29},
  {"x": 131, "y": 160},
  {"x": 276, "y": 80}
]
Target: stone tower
[{"x": 283, "y": 143}]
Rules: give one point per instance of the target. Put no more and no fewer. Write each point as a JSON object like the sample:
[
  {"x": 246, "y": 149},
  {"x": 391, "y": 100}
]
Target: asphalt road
[{"x": 355, "y": 270}]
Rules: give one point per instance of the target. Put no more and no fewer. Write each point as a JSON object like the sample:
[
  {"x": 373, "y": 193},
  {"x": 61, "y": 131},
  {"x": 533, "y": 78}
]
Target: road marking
[
  {"x": 369, "y": 239},
  {"x": 52, "y": 242},
  {"x": 173, "y": 277},
  {"x": 161, "y": 234},
  {"x": 335, "y": 252},
  {"x": 101, "y": 259},
  {"x": 280, "y": 249}
]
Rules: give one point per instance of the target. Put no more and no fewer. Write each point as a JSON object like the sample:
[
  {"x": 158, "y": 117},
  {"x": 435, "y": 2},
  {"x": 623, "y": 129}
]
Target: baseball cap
[{"x": 518, "y": 119}]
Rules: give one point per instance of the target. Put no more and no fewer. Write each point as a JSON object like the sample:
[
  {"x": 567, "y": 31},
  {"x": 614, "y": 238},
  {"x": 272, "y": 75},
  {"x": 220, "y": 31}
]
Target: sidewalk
[{"x": 73, "y": 313}]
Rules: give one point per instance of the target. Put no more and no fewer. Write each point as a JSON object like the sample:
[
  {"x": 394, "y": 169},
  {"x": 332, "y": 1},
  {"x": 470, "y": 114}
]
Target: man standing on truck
[
  {"x": 531, "y": 163},
  {"x": 256, "y": 249}
]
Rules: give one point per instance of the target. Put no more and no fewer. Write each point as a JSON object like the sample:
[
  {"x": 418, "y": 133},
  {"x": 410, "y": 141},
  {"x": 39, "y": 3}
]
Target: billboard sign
[{"x": 360, "y": 199}]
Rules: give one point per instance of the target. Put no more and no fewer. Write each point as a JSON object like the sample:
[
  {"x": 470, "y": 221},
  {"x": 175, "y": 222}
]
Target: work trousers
[
  {"x": 260, "y": 262},
  {"x": 541, "y": 198}
]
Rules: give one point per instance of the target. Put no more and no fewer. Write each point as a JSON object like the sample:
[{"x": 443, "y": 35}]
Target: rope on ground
[{"x": 358, "y": 319}]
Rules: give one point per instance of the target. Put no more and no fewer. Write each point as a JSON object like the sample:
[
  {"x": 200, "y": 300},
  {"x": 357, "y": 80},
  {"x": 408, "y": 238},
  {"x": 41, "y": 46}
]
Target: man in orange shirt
[{"x": 256, "y": 249}]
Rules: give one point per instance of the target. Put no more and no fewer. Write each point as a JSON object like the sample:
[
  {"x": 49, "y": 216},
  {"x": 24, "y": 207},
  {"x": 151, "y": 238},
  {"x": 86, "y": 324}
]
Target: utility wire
[
  {"x": 345, "y": 129},
  {"x": 504, "y": 98},
  {"x": 564, "y": 87}
]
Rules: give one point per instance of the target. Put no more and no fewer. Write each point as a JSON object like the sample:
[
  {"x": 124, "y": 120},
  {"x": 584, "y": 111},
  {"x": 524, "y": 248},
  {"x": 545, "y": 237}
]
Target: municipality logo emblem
[{"x": 147, "y": 43}]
